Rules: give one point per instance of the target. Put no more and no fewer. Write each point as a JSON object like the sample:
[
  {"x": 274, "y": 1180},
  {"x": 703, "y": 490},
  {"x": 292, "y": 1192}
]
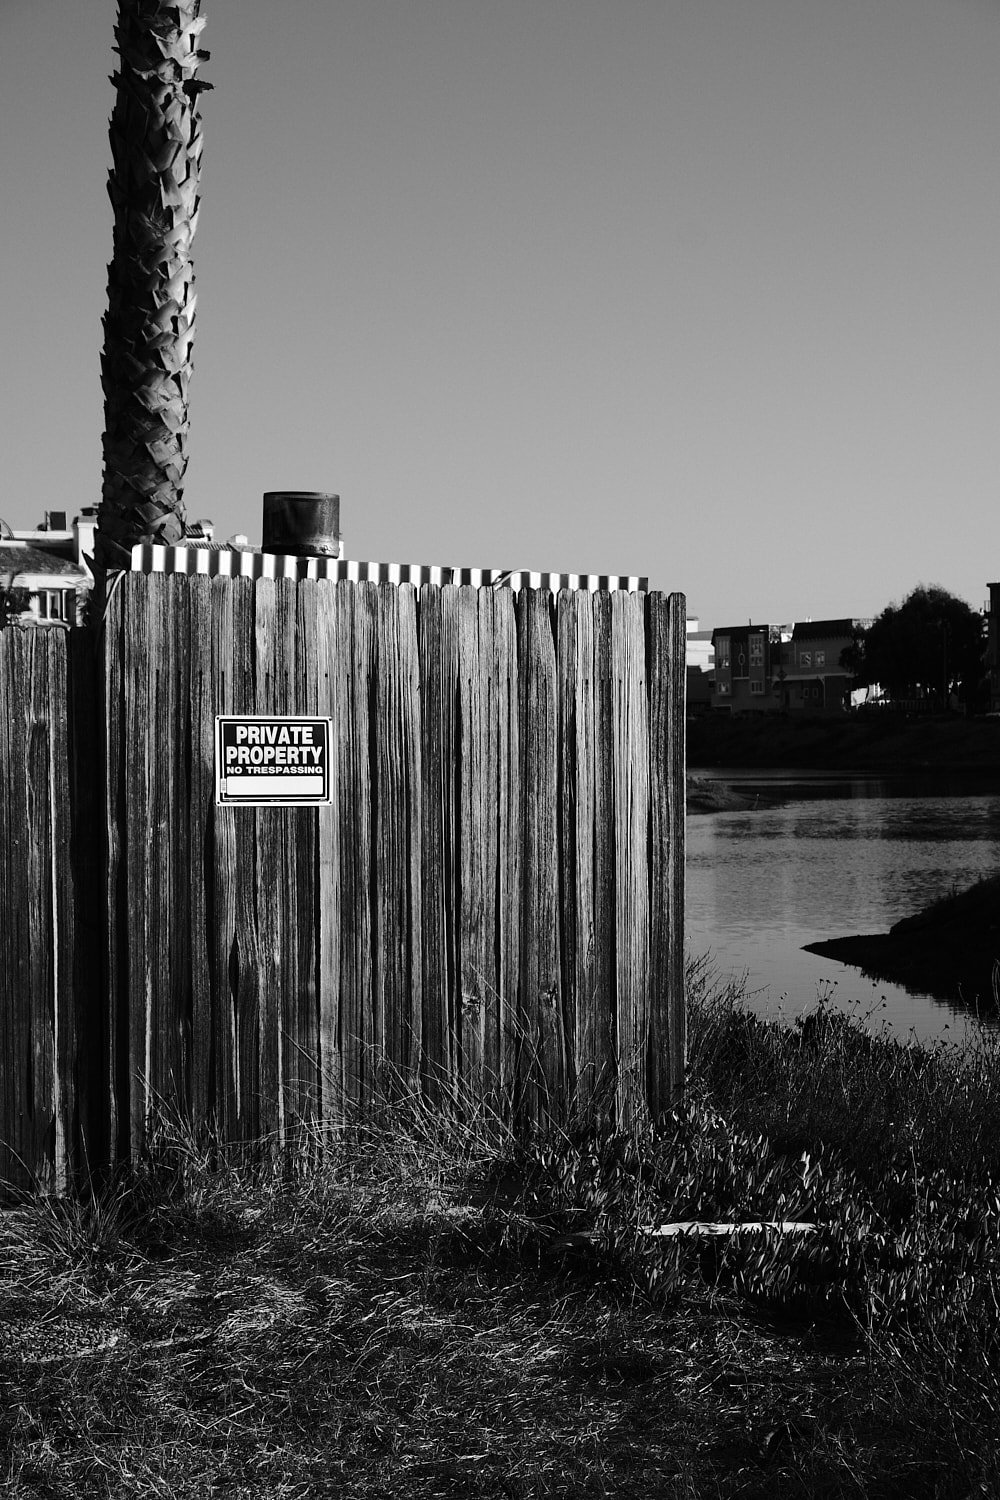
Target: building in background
[
  {"x": 700, "y": 662},
  {"x": 992, "y": 613},
  {"x": 809, "y": 677},
  {"x": 782, "y": 668},
  {"x": 744, "y": 668},
  {"x": 45, "y": 574}
]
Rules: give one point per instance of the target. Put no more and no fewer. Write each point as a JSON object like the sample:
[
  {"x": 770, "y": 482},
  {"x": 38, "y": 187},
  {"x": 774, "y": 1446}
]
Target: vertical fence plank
[
  {"x": 29, "y": 1138},
  {"x": 676, "y": 816},
  {"x": 413, "y": 1000},
  {"x": 41, "y": 856},
  {"x": 229, "y": 982},
  {"x": 451, "y": 757},
  {"x": 488, "y": 800},
  {"x": 112, "y": 716},
  {"x": 631, "y": 772},
  {"x": 568, "y": 772},
  {"x": 64, "y": 1078},
  {"x": 186, "y": 875},
  {"x": 18, "y": 999},
  {"x": 510, "y": 844},
  {"x": 149, "y": 753},
  {"x": 477, "y": 829},
  {"x": 348, "y": 814},
  {"x": 434, "y": 956},
  {"x": 270, "y": 1102},
  {"x": 81, "y": 858},
  {"x": 328, "y": 652},
  {"x": 304, "y": 1012},
  {"x": 197, "y": 809},
  {"x": 139, "y": 600},
  {"x": 590, "y": 1038},
  {"x": 668, "y": 1018},
  {"x": 237, "y": 961},
  {"x": 287, "y": 829},
  {"x": 542, "y": 1002},
  {"x": 604, "y": 971},
  {"x": 274, "y": 603},
  {"x": 10, "y": 842},
  {"x": 9, "y": 688},
  {"x": 149, "y": 837},
  {"x": 474, "y": 962},
  {"x": 356, "y": 607},
  {"x": 396, "y": 833},
  {"x": 170, "y": 761}
]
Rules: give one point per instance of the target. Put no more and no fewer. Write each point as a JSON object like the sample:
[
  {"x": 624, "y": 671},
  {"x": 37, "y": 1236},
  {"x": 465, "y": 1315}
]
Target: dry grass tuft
[{"x": 430, "y": 1308}]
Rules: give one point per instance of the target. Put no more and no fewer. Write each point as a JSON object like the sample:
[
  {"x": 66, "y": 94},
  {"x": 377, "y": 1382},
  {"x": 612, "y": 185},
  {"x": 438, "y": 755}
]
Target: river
[{"x": 825, "y": 855}]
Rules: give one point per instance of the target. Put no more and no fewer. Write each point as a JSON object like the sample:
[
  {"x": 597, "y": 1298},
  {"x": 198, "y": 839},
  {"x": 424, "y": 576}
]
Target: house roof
[
  {"x": 22, "y": 560},
  {"x": 739, "y": 629},
  {"x": 819, "y": 630}
]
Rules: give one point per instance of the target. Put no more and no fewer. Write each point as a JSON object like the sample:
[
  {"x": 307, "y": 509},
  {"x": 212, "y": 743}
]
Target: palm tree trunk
[{"x": 156, "y": 146}]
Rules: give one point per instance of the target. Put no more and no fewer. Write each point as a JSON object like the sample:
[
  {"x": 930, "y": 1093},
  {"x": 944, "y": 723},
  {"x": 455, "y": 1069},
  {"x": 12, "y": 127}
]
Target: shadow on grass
[{"x": 424, "y": 1308}]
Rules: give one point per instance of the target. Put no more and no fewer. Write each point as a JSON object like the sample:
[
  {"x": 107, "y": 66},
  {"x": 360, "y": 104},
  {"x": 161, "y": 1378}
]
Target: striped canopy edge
[{"x": 232, "y": 562}]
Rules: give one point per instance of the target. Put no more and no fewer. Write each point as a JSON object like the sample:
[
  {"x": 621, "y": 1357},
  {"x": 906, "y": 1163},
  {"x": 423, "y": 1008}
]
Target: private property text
[{"x": 273, "y": 745}]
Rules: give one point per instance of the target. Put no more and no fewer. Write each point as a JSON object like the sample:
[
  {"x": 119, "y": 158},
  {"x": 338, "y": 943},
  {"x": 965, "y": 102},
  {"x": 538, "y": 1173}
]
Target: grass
[{"x": 431, "y": 1308}]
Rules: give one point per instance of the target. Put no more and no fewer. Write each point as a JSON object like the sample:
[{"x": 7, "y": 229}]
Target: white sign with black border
[{"x": 273, "y": 760}]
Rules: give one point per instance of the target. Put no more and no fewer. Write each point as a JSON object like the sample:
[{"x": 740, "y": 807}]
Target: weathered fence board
[
  {"x": 630, "y": 760},
  {"x": 328, "y": 874},
  {"x": 491, "y": 909},
  {"x": 40, "y": 1109},
  {"x": 209, "y": 1095},
  {"x": 509, "y": 843},
  {"x": 543, "y": 1021},
  {"x": 84, "y": 1041},
  {"x": 667, "y": 1020},
  {"x": 396, "y": 901},
  {"x": 304, "y": 1101},
  {"x": 434, "y": 946},
  {"x": 356, "y": 1021}
]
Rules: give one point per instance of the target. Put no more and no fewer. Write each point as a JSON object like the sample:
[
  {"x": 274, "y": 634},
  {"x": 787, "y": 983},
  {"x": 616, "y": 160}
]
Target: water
[{"x": 839, "y": 855}]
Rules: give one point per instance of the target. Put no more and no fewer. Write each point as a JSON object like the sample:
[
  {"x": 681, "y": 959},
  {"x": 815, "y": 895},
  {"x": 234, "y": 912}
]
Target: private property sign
[{"x": 267, "y": 760}]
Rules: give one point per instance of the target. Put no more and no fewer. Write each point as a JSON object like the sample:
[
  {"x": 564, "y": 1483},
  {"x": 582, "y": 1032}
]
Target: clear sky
[{"x": 704, "y": 289}]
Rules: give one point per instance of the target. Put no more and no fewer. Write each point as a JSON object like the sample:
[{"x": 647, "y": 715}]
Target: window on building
[
  {"x": 723, "y": 689},
  {"x": 805, "y": 659},
  {"x": 756, "y": 688},
  {"x": 722, "y": 651},
  {"x": 820, "y": 658},
  {"x": 756, "y": 650}
]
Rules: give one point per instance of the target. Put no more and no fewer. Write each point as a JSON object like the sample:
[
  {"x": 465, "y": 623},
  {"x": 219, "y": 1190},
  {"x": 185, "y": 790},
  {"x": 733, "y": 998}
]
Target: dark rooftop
[
  {"x": 817, "y": 630},
  {"x": 22, "y": 559}
]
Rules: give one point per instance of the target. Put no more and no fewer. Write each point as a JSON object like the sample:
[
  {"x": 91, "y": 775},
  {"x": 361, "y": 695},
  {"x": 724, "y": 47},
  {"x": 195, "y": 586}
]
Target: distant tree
[
  {"x": 927, "y": 647},
  {"x": 14, "y": 600},
  {"x": 852, "y": 658}
]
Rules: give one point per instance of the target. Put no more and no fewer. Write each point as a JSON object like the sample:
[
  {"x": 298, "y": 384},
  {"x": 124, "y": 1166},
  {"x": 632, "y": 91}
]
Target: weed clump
[{"x": 426, "y": 1303}]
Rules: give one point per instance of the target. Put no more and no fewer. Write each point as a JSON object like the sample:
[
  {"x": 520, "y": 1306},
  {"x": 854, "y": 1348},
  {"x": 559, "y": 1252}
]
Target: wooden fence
[{"x": 491, "y": 909}]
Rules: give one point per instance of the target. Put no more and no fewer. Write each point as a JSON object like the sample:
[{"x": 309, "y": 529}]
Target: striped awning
[{"x": 232, "y": 562}]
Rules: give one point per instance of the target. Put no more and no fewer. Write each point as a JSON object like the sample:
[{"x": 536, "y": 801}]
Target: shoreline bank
[
  {"x": 849, "y": 742},
  {"x": 950, "y": 949}
]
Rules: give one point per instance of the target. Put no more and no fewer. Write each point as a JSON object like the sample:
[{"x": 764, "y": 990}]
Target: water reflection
[{"x": 825, "y": 856}]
